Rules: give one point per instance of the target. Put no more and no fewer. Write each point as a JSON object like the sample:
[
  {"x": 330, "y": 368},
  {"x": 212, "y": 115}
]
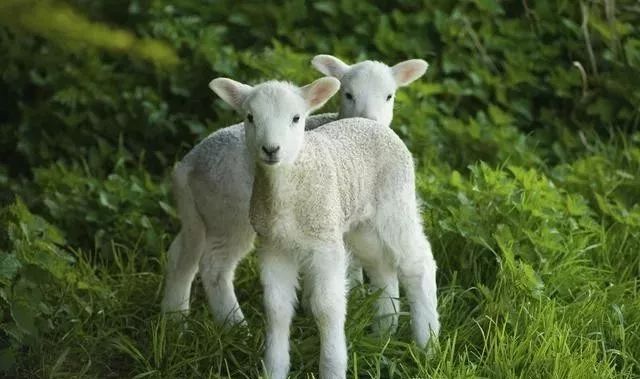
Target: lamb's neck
[
  {"x": 273, "y": 192},
  {"x": 272, "y": 181}
]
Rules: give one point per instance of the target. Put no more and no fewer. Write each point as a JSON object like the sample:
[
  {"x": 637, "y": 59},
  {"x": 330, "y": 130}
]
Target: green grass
[{"x": 537, "y": 279}]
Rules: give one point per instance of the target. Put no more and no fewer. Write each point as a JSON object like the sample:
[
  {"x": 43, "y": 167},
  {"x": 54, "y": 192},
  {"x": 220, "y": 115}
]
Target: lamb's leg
[
  {"x": 354, "y": 279},
  {"x": 418, "y": 276},
  {"x": 186, "y": 249},
  {"x": 217, "y": 269},
  {"x": 327, "y": 273},
  {"x": 279, "y": 276},
  {"x": 182, "y": 266},
  {"x": 399, "y": 226},
  {"x": 367, "y": 246}
]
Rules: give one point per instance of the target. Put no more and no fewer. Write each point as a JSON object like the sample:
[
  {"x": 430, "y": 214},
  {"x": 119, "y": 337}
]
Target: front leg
[
  {"x": 279, "y": 276},
  {"x": 354, "y": 279},
  {"x": 327, "y": 278}
]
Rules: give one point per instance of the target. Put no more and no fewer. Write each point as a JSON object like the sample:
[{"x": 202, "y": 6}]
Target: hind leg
[
  {"x": 399, "y": 226},
  {"x": 418, "y": 277},
  {"x": 182, "y": 266},
  {"x": 382, "y": 274},
  {"x": 217, "y": 270}
]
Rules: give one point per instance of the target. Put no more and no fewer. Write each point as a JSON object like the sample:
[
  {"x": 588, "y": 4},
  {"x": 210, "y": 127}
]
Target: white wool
[
  {"x": 212, "y": 188},
  {"x": 350, "y": 179}
]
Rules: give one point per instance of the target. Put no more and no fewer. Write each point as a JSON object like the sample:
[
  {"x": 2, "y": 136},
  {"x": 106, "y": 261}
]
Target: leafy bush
[
  {"x": 126, "y": 206},
  {"x": 35, "y": 272}
]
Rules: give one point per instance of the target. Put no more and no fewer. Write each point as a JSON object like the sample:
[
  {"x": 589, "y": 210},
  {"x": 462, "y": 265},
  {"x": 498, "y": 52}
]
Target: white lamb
[
  {"x": 369, "y": 87},
  {"x": 212, "y": 187},
  {"x": 368, "y": 90},
  {"x": 350, "y": 177}
]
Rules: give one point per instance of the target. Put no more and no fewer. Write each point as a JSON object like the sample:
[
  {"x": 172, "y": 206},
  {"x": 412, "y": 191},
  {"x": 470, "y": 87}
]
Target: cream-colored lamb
[{"x": 350, "y": 178}]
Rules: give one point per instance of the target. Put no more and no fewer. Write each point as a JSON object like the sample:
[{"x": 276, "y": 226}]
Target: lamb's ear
[
  {"x": 318, "y": 92},
  {"x": 232, "y": 92},
  {"x": 329, "y": 65},
  {"x": 408, "y": 71}
]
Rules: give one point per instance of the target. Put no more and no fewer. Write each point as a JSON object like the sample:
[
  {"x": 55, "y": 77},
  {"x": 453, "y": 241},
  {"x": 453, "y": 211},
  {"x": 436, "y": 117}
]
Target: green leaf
[
  {"x": 24, "y": 317},
  {"x": 9, "y": 266},
  {"x": 7, "y": 358}
]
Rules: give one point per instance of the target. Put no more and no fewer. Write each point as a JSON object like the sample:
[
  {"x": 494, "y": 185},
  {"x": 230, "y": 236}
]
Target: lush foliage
[{"x": 525, "y": 131}]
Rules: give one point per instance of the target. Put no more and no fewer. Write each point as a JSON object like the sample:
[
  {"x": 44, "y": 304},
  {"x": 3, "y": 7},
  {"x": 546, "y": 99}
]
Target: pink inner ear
[
  {"x": 407, "y": 73},
  {"x": 317, "y": 94},
  {"x": 315, "y": 98}
]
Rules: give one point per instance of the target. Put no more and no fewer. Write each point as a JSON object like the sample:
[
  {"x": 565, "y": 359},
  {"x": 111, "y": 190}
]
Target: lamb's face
[
  {"x": 369, "y": 87},
  {"x": 368, "y": 90},
  {"x": 275, "y": 115}
]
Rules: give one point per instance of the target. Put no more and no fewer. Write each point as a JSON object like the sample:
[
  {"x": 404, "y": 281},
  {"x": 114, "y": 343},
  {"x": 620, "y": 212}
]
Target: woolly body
[
  {"x": 212, "y": 188},
  {"x": 353, "y": 179}
]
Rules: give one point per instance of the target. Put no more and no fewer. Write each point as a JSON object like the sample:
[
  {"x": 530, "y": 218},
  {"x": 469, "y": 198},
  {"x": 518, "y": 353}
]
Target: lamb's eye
[
  {"x": 296, "y": 118},
  {"x": 250, "y": 117},
  {"x": 389, "y": 97},
  {"x": 348, "y": 96}
]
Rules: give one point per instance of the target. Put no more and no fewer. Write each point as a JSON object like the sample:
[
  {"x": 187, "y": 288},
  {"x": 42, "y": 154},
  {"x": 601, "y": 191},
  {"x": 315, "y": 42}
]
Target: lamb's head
[
  {"x": 369, "y": 87},
  {"x": 275, "y": 114}
]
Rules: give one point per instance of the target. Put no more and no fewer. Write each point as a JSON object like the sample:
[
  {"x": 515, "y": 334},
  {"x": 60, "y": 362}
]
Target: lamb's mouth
[{"x": 270, "y": 162}]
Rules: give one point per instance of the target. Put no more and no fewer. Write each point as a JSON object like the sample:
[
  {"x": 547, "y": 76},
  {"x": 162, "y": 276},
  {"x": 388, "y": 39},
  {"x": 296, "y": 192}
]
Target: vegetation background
[{"x": 525, "y": 130}]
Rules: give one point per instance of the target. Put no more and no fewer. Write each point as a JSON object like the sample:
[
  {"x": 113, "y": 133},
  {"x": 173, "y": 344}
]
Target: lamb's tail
[
  {"x": 186, "y": 249},
  {"x": 192, "y": 222}
]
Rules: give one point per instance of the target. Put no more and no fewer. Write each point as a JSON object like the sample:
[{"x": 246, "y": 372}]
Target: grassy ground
[
  {"x": 528, "y": 165},
  {"x": 538, "y": 278}
]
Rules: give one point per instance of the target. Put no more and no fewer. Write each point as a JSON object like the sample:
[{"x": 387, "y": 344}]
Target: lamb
[
  {"x": 368, "y": 90},
  {"x": 352, "y": 177},
  {"x": 212, "y": 187},
  {"x": 368, "y": 87}
]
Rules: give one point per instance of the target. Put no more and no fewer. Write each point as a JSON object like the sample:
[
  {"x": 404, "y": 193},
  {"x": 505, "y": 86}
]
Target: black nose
[{"x": 270, "y": 150}]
